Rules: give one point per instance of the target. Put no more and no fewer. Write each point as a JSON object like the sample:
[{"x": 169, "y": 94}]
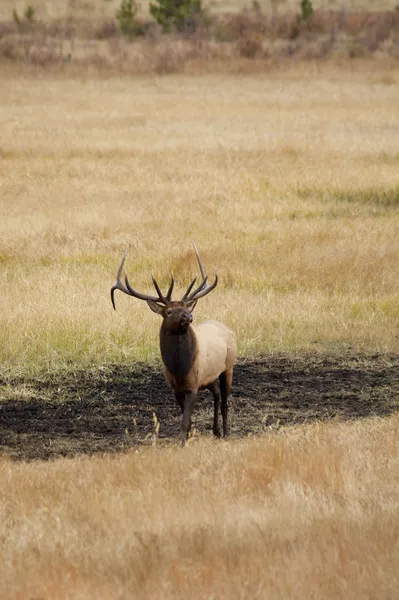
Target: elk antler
[
  {"x": 203, "y": 289},
  {"x": 190, "y": 297},
  {"x": 126, "y": 288}
]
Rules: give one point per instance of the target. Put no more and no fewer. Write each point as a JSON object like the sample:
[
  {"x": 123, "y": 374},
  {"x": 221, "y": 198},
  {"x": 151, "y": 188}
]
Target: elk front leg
[
  {"x": 180, "y": 397},
  {"x": 189, "y": 402}
]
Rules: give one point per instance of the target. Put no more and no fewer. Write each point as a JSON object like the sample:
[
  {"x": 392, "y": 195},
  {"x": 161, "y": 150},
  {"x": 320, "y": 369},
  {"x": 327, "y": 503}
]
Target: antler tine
[
  {"x": 190, "y": 287},
  {"x": 201, "y": 293},
  {"x": 204, "y": 277},
  {"x": 201, "y": 286},
  {"x": 170, "y": 290},
  {"x": 141, "y": 296},
  {"x": 205, "y": 287},
  {"x": 204, "y": 282},
  {"x": 119, "y": 284},
  {"x": 127, "y": 288},
  {"x": 160, "y": 294}
]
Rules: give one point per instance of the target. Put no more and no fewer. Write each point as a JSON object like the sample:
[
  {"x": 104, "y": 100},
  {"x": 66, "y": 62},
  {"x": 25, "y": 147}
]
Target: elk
[{"x": 194, "y": 356}]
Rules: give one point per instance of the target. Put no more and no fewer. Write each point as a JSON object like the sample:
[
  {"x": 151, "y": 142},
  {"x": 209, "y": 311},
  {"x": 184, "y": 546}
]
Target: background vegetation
[{"x": 190, "y": 35}]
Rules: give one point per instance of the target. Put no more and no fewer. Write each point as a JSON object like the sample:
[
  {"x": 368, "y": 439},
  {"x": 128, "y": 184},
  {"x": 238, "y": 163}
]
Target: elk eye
[{"x": 169, "y": 312}]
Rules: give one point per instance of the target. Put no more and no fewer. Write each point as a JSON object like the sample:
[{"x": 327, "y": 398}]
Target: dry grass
[
  {"x": 287, "y": 182},
  {"x": 307, "y": 513}
]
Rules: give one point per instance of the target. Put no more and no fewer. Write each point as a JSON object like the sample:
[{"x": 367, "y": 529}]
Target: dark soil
[{"x": 111, "y": 408}]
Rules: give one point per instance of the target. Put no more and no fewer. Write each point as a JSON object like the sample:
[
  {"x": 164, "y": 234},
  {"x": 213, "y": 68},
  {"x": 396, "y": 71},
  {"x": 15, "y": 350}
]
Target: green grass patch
[
  {"x": 371, "y": 199},
  {"x": 385, "y": 307}
]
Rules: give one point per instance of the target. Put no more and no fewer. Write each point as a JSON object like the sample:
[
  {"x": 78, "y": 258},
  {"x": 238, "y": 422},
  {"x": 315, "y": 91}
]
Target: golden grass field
[
  {"x": 288, "y": 181},
  {"x": 309, "y": 513}
]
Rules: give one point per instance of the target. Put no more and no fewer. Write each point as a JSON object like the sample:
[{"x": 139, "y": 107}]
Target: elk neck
[{"x": 178, "y": 350}]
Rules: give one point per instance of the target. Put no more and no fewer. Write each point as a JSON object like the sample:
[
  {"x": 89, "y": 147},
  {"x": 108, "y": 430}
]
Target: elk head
[{"x": 176, "y": 314}]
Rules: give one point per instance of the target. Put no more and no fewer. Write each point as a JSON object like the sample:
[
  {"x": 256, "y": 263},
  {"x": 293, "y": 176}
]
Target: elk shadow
[{"x": 111, "y": 409}]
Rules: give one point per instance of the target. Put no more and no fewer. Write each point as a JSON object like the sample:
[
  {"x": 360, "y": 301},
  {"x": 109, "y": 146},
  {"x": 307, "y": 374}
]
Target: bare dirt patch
[{"x": 111, "y": 408}]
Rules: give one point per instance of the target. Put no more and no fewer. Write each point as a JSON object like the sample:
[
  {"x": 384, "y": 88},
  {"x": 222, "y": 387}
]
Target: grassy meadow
[{"x": 288, "y": 181}]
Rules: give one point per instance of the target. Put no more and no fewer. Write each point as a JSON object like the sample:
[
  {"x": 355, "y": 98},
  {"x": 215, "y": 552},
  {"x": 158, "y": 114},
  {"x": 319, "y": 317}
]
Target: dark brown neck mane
[{"x": 178, "y": 350}]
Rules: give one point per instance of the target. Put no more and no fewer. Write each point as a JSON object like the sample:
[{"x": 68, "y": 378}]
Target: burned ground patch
[{"x": 111, "y": 408}]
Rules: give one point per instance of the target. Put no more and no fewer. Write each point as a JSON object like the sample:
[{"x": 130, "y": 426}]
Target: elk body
[{"x": 194, "y": 357}]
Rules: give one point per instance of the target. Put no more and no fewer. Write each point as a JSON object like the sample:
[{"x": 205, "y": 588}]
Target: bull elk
[{"x": 194, "y": 356}]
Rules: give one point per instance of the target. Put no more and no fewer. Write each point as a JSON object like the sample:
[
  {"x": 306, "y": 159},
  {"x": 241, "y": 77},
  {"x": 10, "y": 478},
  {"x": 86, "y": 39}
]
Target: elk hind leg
[
  {"x": 225, "y": 380},
  {"x": 180, "y": 400},
  {"x": 213, "y": 388}
]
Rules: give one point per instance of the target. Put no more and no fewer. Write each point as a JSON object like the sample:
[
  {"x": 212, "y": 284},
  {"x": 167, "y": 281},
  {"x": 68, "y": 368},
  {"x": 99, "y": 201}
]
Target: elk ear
[{"x": 156, "y": 308}]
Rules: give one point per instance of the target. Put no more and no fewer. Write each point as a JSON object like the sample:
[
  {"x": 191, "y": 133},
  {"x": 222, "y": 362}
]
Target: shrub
[
  {"x": 6, "y": 28},
  {"x": 357, "y": 50},
  {"x": 245, "y": 24},
  {"x": 29, "y": 13},
  {"x": 10, "y": 48},
  {"x": 249, "y": 47},
  {"x": 28, "y": 16},
  {"x": 306, "y": 10},
  {"x": 126, "y": 16},
  {"x": 106, "y": 31},
  {"x": 181, "y": 15}
]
